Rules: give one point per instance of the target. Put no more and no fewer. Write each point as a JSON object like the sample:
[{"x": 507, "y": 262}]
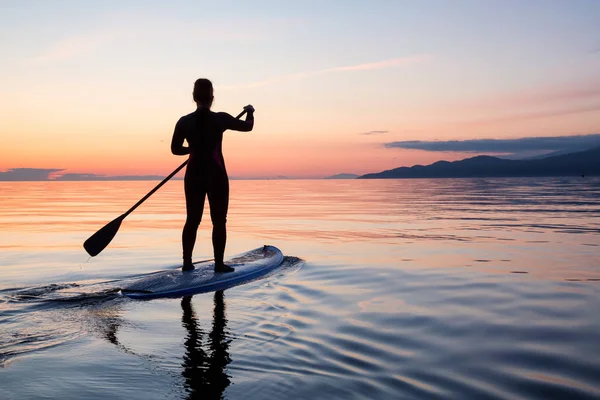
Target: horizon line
[{"x": 160, "y": 178}]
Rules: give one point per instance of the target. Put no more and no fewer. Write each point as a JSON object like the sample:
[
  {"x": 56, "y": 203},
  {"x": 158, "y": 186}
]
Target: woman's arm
[
  {"x": 239, "y": 125},
  {"x": 177, "y": 146}
]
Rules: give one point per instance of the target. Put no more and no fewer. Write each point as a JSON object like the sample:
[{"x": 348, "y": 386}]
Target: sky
[{"x": 97, "y": 86}]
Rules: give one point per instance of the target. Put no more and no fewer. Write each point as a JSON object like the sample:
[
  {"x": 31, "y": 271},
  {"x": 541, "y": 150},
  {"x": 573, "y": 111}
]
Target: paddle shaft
[{"x": 172, "y": 174}]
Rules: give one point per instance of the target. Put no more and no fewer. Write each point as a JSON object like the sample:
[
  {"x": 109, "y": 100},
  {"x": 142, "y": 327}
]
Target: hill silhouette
[
  {"x": 573, "y": 164},
  {"x": 342, "y": 176}
]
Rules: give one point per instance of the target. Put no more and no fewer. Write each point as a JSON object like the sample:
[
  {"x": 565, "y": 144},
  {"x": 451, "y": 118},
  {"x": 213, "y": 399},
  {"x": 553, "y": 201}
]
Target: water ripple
[{"x": 424, "y": 289}]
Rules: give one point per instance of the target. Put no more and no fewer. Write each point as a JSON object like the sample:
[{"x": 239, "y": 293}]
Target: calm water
[{"x": 482, "y": 288}]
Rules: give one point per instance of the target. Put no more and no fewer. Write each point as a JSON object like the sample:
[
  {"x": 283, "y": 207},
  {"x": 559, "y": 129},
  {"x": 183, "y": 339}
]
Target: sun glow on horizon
[{"x": 98, "y": 88}]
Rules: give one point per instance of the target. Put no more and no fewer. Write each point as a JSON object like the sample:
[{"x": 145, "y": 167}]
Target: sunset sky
[{"x": 97, "y": 86}]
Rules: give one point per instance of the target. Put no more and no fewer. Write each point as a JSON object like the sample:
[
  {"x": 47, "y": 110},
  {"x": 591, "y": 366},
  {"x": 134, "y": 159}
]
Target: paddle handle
[{"x": 172, "y": 174}]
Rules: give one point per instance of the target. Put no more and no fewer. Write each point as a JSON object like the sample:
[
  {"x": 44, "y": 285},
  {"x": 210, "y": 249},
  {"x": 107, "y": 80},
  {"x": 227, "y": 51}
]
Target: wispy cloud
[
  {"x": 514, "y": 146},
  {"x": 77, "y": 46},
  {"x": 582, "y": 90},
  {"x": 539, "y": 114},
  {"x": 385, "y": 64},
  {"x": 373, "y": 133},
  {"x": 394, "y": 62},
  {"x": 136, "y": 28}
]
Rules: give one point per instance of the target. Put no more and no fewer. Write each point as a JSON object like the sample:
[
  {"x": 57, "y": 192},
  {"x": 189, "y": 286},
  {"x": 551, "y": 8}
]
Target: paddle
[{"x": 99, "y": 240}]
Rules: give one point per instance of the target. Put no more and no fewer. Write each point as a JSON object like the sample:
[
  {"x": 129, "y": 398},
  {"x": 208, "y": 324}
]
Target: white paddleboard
[{"x": 176, "y": 283}]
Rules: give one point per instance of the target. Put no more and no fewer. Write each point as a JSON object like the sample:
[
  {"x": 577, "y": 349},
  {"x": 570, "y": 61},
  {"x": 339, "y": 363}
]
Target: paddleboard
[{"x": 176, "y": 283}]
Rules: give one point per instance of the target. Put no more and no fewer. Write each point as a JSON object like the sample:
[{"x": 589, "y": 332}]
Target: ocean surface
[{"x": 390, "y": 289}]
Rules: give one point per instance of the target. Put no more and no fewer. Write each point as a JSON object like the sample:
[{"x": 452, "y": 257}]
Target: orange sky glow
[{"x": 100, "y": 92}]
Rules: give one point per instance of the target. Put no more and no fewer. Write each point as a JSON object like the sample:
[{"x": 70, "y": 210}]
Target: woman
[{"x": 206, "y": 173}]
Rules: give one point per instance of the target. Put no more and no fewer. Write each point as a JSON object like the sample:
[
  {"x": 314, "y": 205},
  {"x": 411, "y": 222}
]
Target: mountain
[
  {"x": 573, "y": 164},
  {"x": 342, "y": 176},
  {"x": 95, "y": 177}
]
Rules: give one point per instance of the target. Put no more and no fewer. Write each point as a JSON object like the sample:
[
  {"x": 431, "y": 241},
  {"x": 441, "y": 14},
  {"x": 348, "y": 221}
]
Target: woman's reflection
[{"x": 205, "y": 375}]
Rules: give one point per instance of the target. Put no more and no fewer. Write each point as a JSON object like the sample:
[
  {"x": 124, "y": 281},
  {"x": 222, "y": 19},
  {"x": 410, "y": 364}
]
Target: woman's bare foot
[
  {"x": 220, "y": 268},
  {"x": 188, "y": 266}
]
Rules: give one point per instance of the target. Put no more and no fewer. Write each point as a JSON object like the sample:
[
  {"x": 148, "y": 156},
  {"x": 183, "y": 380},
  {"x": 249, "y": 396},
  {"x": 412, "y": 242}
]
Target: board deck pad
[{"x": 176, "y": 283}]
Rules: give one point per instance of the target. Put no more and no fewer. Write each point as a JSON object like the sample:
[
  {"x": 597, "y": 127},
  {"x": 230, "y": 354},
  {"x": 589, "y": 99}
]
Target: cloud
[
  {"x": 373, "y": 133},
  {"x": 77, "y": 46},
  {"x": 392, "y": 63},
  {"x": 385, "y": 64},
  {"x": 584, "y": 90},
  {"x": 28, "y": 174},
  {"x": 521, "y": 145},
  {"x": 137, "y": 28},
  {"x": 540, "y": 114},
  {"x": 537, "y": 103},
  {"x": 55, "y": 174}
]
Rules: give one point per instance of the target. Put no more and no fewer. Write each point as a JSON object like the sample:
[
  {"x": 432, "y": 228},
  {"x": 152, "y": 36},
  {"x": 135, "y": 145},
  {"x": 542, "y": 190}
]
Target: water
[{"x": 468, "y": 288}]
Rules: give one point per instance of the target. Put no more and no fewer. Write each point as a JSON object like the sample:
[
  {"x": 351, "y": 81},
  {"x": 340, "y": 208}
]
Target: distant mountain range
[
  {"x": 46, "y": 174},
  {"x": 342, "y": 176},
  {"x": 578, "y": 163},
  {"x": 95, "y": 177},
  {"x": 573, "y": 164}
]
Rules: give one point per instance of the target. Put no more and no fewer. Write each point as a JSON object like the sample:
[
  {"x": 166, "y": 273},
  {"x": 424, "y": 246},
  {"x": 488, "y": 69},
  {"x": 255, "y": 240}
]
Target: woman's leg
[
  {"x": 194, "y": 204},
  {"x": 218, "y": 198}
]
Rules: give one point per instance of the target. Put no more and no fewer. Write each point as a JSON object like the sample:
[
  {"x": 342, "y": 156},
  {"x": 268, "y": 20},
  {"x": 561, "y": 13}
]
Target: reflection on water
[
  {"x": 472, "y": 288},
  {"x": 205, "y": 374},
  {"x": 206, "y": 353}
]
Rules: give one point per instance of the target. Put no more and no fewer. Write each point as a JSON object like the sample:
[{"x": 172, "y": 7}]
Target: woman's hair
[{"x": 203, "y": 92}]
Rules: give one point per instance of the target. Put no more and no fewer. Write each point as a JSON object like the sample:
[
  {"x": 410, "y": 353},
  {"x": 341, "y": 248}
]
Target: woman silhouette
[{"x": 206, "y": 173}]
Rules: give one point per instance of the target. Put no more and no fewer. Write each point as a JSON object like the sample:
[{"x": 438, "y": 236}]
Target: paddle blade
[{"x": 99, "y": 240}]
